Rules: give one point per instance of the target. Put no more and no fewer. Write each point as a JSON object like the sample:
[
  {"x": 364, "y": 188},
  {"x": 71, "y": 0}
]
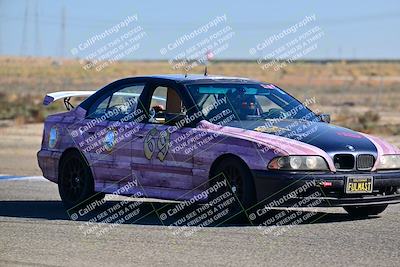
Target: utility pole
[
  {"x": 1, "y": 41},
  {"x": 24, "y": 31},
  {"x": 62, "y": 38},
  {"x": 38, "y": 49}
]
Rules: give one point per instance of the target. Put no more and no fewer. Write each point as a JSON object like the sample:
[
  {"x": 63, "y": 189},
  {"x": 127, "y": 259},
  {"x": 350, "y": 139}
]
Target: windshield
[{"x": 225, "y": 103}]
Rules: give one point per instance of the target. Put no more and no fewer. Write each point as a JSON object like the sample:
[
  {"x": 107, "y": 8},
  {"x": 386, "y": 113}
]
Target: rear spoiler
[
  {"x": 66, "y": 95},
  {"x": 51, "y": 97}
]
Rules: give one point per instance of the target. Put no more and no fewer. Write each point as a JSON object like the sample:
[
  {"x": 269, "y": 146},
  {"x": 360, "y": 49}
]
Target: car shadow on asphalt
[{"x": 161, "y": 214}]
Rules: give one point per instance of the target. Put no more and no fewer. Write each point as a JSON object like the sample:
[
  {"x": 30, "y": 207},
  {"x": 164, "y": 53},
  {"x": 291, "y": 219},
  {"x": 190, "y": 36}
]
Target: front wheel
[
  {"x": 365, "y": 211},
  {"x": 239, "y": 181}
]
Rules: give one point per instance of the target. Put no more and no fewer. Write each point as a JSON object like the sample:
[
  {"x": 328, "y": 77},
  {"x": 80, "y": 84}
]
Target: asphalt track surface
[{"x": 36, "y": 231}]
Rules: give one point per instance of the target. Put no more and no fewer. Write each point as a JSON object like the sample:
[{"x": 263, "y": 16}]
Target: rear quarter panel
[{"x": 49, "y": 155}]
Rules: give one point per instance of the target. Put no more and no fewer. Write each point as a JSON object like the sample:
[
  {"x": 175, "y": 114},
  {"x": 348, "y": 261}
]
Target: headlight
[
  {"x": 389, "y": 162},
  {"x": 298, "y": 163}
]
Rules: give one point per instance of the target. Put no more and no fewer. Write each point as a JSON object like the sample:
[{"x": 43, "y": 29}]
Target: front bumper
[{"x": 328, "y": 189}]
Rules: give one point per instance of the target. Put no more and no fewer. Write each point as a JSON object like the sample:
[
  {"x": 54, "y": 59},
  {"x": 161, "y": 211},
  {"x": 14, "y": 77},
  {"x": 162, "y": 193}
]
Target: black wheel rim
[
  {"x": 235, "y": 179},
  {"x": 73, "y": 180}
]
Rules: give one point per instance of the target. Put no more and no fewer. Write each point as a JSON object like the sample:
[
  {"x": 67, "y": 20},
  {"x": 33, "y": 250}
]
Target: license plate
[{"x": 357, "y": 185}]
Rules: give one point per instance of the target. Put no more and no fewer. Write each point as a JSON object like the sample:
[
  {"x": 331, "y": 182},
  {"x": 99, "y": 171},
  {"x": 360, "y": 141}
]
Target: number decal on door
[
  {"x": 149, "y": 146},
  {"x": 149, "y": 143},
  {"x": 163, "y": 145}
]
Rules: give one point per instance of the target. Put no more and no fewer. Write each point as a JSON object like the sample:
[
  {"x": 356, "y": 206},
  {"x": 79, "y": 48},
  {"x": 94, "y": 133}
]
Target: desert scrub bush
[
  {"x": 367, "y": 122},
  {"x": 369, "y": 119},
  {"x": 24, "y": 108}
]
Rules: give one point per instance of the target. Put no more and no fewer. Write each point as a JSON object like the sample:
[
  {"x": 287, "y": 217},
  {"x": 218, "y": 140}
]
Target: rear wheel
[
  {"x": 239, "y": 181},
  {"x": 75, "y": 182},
  {"x": 364, "y": 211}
]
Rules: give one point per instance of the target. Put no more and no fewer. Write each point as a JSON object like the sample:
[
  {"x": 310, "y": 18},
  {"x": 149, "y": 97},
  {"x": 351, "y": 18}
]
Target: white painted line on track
[{"x": 5, "y": 177}]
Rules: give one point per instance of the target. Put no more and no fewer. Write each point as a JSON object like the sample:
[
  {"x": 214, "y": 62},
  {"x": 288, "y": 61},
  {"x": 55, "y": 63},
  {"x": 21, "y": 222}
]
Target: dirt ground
[{"x": 19, "y": 144}]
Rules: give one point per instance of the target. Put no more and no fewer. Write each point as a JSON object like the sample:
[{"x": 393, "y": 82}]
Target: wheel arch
[
  {"x": 222, "y": 157},
  {"x": 249, "y": 188},
  {"x": 68, "y": 151}
]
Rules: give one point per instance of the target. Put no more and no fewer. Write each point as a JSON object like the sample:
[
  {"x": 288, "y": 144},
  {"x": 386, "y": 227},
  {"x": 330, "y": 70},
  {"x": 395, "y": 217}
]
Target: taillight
[{"x": 43, "y": 135}]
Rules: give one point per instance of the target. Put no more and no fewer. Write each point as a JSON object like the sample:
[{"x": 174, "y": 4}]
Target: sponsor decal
[
  {"x": 53, "y": 136},
  {"x": 268, "y": 86},
  {"x": 110, "y": 139},
  {"x": 272, "y": 129},
  {"x": 351, "y": 135}
]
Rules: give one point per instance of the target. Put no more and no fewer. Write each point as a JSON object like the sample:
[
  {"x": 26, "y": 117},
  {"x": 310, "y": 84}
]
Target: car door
[
  {"x": 123, "y": 128},
  {"x": 156, "y": 163},
  {"x": 108, "y": 133},
  {"x": 92, "y": 139}
]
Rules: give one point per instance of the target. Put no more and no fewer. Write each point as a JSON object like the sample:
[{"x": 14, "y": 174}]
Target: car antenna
[
  {"x": 209, "y": 56},
  {"x": 186, "y": 68}
]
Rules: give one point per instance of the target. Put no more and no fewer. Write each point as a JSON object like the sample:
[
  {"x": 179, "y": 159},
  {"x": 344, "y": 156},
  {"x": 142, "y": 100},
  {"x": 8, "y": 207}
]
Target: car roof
[
  {"x": 175, "y": 78},
  {"x": 194, "y": 78}
]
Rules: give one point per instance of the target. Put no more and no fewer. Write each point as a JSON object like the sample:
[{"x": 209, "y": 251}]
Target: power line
[{"x": 243, "y": 25}]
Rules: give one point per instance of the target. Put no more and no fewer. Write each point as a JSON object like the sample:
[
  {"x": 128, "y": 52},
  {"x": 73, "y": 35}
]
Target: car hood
[
  {"x": 330, "y": 138},
  {"x": 299, "y": 137}
]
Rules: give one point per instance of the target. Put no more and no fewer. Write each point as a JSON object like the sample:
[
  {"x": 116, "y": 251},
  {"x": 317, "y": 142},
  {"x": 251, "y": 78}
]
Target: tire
[
  {"x": 365, "y": 211},
  {"x": 75, "y": 181},
  {"x": 240, "y": 181}
]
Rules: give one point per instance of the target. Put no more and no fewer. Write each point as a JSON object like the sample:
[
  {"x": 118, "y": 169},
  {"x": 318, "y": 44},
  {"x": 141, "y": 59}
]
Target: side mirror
[{"x": 325, "y": 118}]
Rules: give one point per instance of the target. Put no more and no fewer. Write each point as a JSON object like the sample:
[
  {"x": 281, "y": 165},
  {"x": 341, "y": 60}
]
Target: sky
[{"x": 351, "y": 29}]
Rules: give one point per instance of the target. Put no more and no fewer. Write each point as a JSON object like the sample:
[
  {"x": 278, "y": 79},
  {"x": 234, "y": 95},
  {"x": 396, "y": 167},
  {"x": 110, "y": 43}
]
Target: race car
[{"x": 180, "y": 137}]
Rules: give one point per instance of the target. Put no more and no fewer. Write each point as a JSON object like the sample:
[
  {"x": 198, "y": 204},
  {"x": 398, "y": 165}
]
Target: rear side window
[
  {"x": 96, "y": 111},
  {"x": 120, "y": 104}
]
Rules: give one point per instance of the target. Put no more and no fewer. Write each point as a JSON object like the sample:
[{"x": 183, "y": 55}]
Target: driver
[{"x": 158, "y": 108}]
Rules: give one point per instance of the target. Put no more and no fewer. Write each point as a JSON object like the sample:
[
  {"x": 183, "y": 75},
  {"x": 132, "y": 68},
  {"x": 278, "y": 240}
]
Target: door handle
[{"x": 140, "y": 135}]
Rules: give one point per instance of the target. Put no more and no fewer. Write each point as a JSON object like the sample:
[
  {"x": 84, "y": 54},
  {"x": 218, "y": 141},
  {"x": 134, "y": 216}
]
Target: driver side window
[
  {"x": 265, "y": 103},
  {"x": 270, "y": 109},
  {"x": 165, "y": 105}
]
